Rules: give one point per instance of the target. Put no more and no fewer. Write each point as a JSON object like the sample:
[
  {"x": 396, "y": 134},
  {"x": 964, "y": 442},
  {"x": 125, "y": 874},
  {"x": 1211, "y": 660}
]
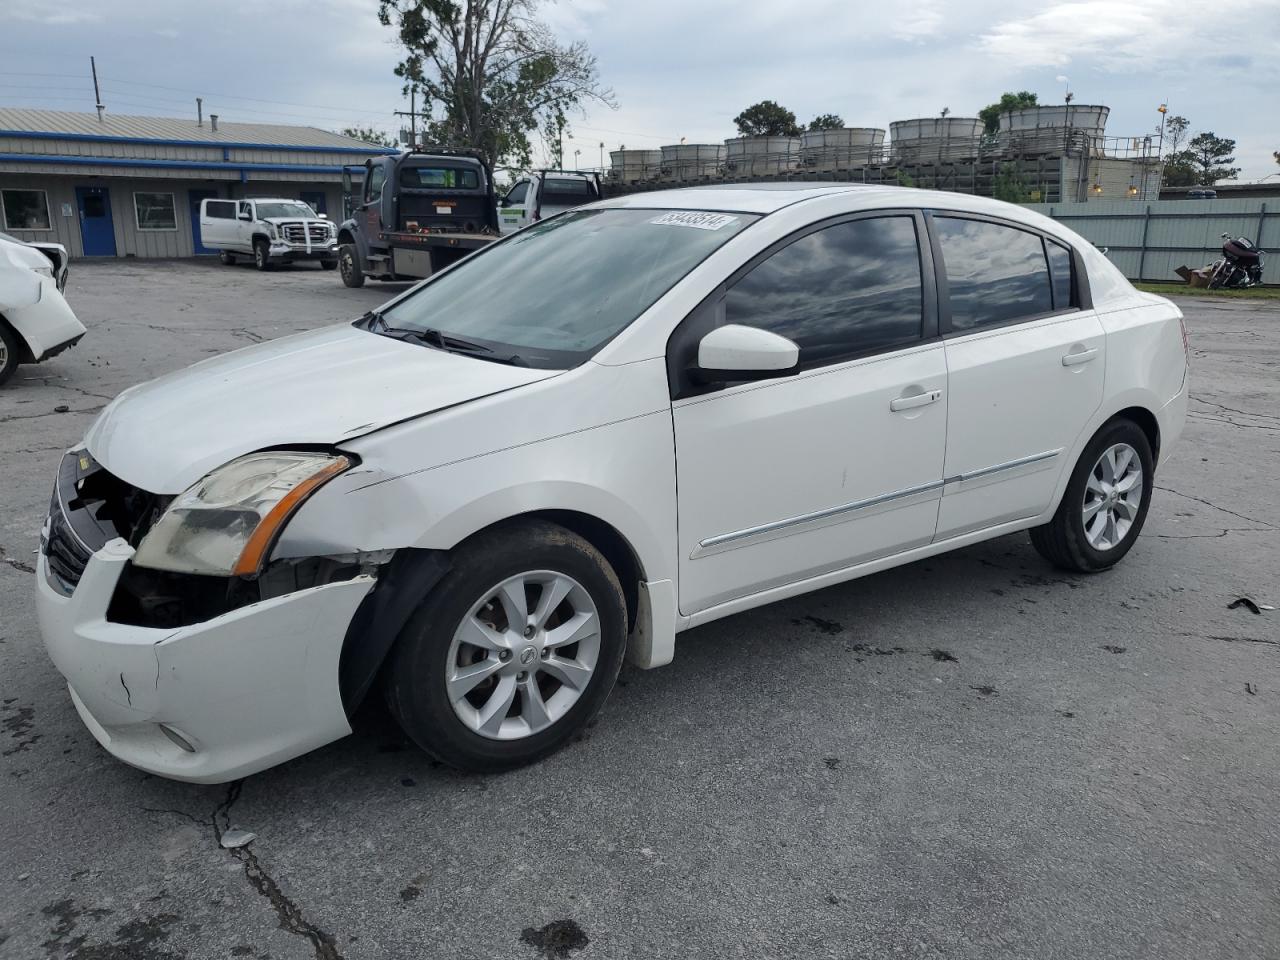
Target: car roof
[{"x": 736, "y": 197}]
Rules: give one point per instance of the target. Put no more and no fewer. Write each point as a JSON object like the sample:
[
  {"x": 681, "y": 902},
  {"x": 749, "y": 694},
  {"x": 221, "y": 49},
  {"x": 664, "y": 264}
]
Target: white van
[
  {"x": 269, "y": 230},
  {"x": 544, "y": 194}
]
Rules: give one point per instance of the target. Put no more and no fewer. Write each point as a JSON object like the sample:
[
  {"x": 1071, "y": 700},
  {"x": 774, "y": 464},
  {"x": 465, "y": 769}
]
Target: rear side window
[
  {"x": 843, "y": 290},
  {"x": 220, "y": 209},
  {"x": 1060, "y": 271},
  {"x": 439, "y": 178},
  {"x": 996, "y": 273},
  {"x": 579, "y": 191},
  {"x": 518, "y": 192}
]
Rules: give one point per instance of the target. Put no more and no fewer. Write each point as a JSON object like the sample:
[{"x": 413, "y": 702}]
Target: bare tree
[{"x": 492, "y": 73}]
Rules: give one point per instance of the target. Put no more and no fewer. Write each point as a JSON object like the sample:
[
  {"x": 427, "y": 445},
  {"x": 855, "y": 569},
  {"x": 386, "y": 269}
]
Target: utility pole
[
  {"x": 199, "y": 111},
  {"x": 602, "y": 156},
  {"x": 412, "y": 114},
  {"x": 97, "y": 97},
  {"x": 1163, "y": 110}
]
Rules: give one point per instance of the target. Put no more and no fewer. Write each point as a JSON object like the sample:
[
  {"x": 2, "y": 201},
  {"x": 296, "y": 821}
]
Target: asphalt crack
[
  {"x": 1210, "y": 503},
  {"x": 16, "y": 563}
]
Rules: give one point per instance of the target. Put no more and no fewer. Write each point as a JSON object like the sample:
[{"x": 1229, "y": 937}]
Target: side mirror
[
  {"x": 734, "y": 353},
  {"x": 246, "y": 217}
]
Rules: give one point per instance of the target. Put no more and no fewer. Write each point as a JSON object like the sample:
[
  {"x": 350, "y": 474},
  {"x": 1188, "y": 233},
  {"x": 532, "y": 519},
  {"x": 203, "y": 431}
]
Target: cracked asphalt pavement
[{"x": 971, "y": 756}]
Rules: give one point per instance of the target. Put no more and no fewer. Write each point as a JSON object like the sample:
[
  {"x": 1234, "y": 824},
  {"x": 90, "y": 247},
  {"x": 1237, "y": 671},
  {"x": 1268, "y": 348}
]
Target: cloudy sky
[{"x": 679, "y": 68}]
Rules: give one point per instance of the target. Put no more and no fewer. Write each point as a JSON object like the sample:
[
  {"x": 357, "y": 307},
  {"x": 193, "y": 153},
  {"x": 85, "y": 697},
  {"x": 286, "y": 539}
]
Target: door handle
[
  {"x": 916, "y": 400},
  {"x": 1084, "y": 356}
]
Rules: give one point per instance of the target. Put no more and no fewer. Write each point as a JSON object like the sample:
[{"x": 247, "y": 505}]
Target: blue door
[
  {"x": 193, "y": 201},
  {"x": 97, "y": 232},
  {"x": 314, "y": 199}
]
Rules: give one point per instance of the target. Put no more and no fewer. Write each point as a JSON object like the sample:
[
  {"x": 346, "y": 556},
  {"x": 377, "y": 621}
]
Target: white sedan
[
  {"x": 615, "y": 425},
  {"x": 35, "y": 321}
]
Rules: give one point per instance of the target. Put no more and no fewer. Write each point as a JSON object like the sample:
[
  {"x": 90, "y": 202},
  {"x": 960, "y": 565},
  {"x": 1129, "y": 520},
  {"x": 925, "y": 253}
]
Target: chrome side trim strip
[
  {"x": 818, "y": 515},
  {"x": 1008, "y": 465}
]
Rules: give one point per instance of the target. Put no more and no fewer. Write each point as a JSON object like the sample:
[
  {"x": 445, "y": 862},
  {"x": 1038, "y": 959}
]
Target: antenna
[{"x": 97, "y": 97}]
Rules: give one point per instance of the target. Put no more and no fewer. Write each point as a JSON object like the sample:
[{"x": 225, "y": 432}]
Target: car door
[
  {"x": 785, "y": 479},
  {"x": 244, "y": 226},
  {"x": 1026, "y": 356},
  {"x": 218, "y": 223},
  {"x": 512, "y": 210}
]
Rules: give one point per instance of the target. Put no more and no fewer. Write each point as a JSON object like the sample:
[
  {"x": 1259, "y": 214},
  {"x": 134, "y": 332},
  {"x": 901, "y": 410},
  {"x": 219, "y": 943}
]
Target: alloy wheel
[
  {"x": 523, "y": 655},
  {"x": 1112, "y": 496}
]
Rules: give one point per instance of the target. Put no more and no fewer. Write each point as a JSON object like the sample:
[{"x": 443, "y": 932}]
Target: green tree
[
  {"x": 1175, "y": 132},
  {"x": 990, "y": 115},
  {"x": 767, "y": 119},
  {"x": 1180, "y": 169},
  {"x": 368, "y": 135},
  {"x": 1276, "y": 154},
  {"x": 491, "y": 72},
  {"x": 1211, "y": 156},
  {"x": 1010, "y": 186},
  {"x": 827, "y": 121}
]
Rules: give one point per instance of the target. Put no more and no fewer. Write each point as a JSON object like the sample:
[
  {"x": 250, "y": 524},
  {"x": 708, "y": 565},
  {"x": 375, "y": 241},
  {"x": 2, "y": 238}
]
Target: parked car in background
[
  {"x": 268, "y": 230},
  {"x": 619, "y": 423},
  {"x": 56, "y": 254},
  {"x": 36, "y": 323},
  {"x": 545, "y": 193}
]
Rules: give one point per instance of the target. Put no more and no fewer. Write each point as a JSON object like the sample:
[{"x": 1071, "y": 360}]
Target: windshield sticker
[{"x": 692, "y": 218}]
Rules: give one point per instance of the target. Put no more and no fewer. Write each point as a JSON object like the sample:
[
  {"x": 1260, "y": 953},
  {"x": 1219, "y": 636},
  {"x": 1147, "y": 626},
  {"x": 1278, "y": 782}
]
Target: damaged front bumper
[{"x": 208, "y": 702}]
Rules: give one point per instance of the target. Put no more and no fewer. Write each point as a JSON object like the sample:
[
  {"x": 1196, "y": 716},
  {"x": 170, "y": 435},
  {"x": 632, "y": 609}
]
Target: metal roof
[{"x": 171, "y": 129}]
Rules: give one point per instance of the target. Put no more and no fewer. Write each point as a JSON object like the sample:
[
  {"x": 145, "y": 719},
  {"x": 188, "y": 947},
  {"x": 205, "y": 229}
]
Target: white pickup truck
[
  {"x": 543, "y": 194},
  {"x": 269, "y": 230}
]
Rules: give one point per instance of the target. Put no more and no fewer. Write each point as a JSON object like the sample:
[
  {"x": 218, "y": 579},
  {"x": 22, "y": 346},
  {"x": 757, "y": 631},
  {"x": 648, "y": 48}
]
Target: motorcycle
[{"x": 1240, "y": 266}]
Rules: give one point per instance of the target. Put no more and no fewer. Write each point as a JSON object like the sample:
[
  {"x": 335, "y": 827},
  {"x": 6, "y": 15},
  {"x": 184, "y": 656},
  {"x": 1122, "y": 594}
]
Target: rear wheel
[
  {"x": 226, "y": 258},
  {"x": 8, "y": 352},
  {"x": 512, "y": 652},
  {"x": 1106, "y": 502},
  {"x": 349, "y": 264},
  {"x": 261, "y": 254}
]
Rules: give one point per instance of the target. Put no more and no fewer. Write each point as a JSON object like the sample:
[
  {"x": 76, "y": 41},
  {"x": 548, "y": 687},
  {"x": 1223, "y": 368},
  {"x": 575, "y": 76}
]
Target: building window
[
  {"x": 25, "y": 209},
  {"x": 155, "y": 211}
]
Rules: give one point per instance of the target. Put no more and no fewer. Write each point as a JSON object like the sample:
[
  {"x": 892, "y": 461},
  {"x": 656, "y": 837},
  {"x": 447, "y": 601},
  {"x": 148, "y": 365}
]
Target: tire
[
  {"x": 10, "y": 348},
  {"x": 349, "y": 262},
  {"x": 227, "y": 258},
  {"x": 261, "y": 254},
  {"x": 491, "y": 724},
  {"x": 1067, "y": 541},
  {"x": 328, "y": 264}
]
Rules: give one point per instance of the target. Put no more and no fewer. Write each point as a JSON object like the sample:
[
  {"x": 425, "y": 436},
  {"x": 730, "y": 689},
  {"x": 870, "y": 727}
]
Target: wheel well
[
  {"x": 605, "y": 538},
  {"x": 261, "y": 236},
  {"x": 344, "y": 236},
  {"x": 1147, "y": 423},
  {"x": 24, "y": 349}
]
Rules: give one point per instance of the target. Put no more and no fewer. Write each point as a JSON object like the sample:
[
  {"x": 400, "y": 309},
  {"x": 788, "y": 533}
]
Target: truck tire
[
  {"x": 9, "y": 351},
  {"x": 349, "y": 262},
  {"x": 227, "y": 258},
  {"x": 328, "y": 264},
  {"x": 261, "y": 254}
]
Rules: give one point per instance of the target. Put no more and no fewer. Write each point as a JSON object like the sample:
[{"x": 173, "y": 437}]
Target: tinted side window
[
  {"x": 845, "y": 289},
  {"x": 220, "y": 209},
  {"x": 377, "y": 178},
  {"x": 518, "y": 192},
  {"x": 1060, "y": 270},
  {"x": 996, "y": 273}
]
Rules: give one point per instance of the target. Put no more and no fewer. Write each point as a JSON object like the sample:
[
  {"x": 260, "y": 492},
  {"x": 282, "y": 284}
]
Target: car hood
[
  {"x": 321, "y": 387},
  {"x": 281, "y": 220}
]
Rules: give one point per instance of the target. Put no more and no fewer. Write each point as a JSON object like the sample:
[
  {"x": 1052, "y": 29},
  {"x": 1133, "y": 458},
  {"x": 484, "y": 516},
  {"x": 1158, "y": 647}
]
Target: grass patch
[{"x": 1182, "y": 290}]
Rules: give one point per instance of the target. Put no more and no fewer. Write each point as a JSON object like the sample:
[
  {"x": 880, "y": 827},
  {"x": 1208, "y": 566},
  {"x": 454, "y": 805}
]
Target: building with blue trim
[{"x": 127, "y": 186}]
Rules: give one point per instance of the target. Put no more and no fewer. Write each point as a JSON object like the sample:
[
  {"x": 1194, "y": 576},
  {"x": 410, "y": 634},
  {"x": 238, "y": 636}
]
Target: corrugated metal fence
[{"x": 1148, "y": 241}]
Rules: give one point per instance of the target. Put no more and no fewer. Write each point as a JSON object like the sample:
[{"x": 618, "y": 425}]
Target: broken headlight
[{"x": 226, "y": 524}]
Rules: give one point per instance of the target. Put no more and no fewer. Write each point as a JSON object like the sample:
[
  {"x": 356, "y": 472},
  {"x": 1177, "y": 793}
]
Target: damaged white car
[
  {"x": 36, "y": 323},
  {"x": 628, "y": 420}
]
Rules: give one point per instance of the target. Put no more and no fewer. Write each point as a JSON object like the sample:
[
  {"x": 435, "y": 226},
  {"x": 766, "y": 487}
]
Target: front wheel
[
  {"x": 513, "y": 652},
  {"x": 1105, "y": 504},
  {"x": 349, "y": 265},
  {"x": 261, "y": 255},
  {"x": 226, "y": 258},
  {"x": 8, "y": 352}
]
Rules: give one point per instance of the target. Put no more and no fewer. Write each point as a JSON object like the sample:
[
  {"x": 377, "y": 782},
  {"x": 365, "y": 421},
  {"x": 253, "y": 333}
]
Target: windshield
[
  {"x": 553, "y": 294},
  {"x": 291, "y": 208}
]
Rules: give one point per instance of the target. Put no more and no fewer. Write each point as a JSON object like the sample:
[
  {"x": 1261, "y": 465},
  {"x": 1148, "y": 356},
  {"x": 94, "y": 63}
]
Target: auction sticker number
[{"x": 692, "y": 218}]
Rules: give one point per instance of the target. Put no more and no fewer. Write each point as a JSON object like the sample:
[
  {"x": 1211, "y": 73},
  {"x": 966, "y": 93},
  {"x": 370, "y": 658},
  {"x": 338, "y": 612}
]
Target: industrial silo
[
  {"x": 634, "y": 166},
  {"x": 930, "y": 139},
  {"x": 690, "y": 161},
  {"x": 841, "y": 149},
  {"x": 758, "y": 156},
  {"x": 1049, "y": 129}
]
